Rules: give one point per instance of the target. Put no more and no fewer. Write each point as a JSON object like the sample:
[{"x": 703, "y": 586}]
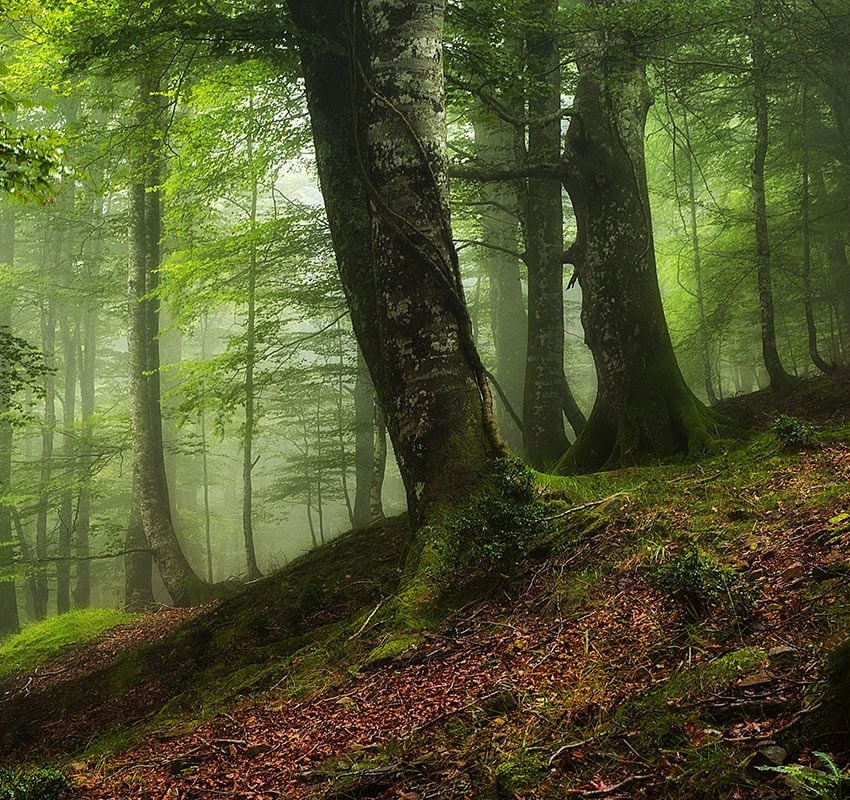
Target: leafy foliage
[
  {"x": 829, "y": 783},
  {"x": 21, "y": 367},
  {"x": 46, "y": 783},
  {"x": 793, "y": 432},
  {"x": 699, "y": 585}
]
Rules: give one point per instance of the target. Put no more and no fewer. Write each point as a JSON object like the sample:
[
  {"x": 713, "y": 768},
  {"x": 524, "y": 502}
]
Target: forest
[{"x": 416, "y": 399}]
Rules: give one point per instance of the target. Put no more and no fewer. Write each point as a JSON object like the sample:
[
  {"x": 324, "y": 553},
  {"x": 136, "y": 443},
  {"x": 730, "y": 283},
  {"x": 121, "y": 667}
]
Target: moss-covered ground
[
  {"x": 668, "y": 631},
  {"x": 39, "y": 642}
]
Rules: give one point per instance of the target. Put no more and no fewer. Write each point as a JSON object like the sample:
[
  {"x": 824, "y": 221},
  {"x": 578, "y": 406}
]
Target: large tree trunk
[
  {"x": 779, "y": 378},
  {"x": 404, "y": 291},
  {"x": 138, "y": 563},
  {"x": 644, "y": 410},
  {"x": 494, "y": 143},
  {"x": 9, "y": 622},
  {"x": 154, "y": 509},
  {"x": 544, "y": 438}
]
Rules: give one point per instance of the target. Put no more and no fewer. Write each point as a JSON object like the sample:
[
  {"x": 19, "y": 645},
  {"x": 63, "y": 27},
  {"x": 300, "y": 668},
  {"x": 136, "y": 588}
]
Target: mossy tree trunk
[
  {"x": 70, "y": 334},
  {"x": 544, "y": 438},
  {"x": 377, "y": 108},
  {"x": 154, "y": 508},
  {"x": 644, "y": 410}
]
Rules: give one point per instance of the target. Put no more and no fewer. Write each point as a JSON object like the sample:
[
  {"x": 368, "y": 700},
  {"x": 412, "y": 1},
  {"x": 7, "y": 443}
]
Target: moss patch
[{"x": 38, "y": 642}]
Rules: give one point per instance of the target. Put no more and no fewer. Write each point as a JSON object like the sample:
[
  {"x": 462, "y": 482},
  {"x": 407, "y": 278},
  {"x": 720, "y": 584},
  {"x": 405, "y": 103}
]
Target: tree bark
[
  {"x": 9, "y": 620},
  {"x": 48, "y": 425},
  {"x": 494, "y": 143},
  {"x": 364, "y": 444},
  {"x": 779, "y": 378},
  {"x": 805, "y": 217},
  {"x": 643, "y": 410},
  {"x": 544, "y": 438},
  {"x": 138, "y": 564},
  {"x": 70, "y": 333},
  {"x": 154, "y": 508}
]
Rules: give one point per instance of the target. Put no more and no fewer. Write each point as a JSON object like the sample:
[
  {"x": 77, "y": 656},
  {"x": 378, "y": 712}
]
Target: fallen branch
[
  {"x": 585, "y": 506},
  {"x": 610, "y": 789}
]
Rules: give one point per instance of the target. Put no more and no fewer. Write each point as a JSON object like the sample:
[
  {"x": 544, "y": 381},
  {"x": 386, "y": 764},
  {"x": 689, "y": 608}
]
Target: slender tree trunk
[
  {"x": 9, "y": 620},
  {"x": 379, "y": 466},
  {"x": 644, "y": 409},
  {"x": 87, "y": 358},
  {"x": 48, "y": 341},
  {"x": 544, "y": 439},
  {"x": 319, "y": 472},
  {"x": 704, "y": 334},
  {"x": 340, "y": 428},
  {"x": 494, "y": 141},
  {"x": 205, "y": 467},
  {"x": 779, "y": 378},
  {"x": 70, "y": 345},
  {"x": 143, "y": 355},
  {"x": 364, "y": 444},
  {"x": 250, "y": 358},
  {"x": 805, "y": 217}
]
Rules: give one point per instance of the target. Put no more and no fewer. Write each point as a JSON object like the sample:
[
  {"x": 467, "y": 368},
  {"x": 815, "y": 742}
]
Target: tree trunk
[
  {"x": 805, "y": 215},
  {"x": 364, "y": 444},
  {"x": 70, "y": 332},
  {"x": 87, "y": 358},
  {"x": 704, "y": 335},
  {"x": 250, "y": 358},
  {"x": 379, "y": 465},
  {"x": 9, "y": 620},
  {"x": 494, "y": 143},
  {"x": 180, "y": 581},
  {"x": 779, "y": 378},
  {"x": 48, "y": 342},
  {"x": 404, "y": 289},
  {"x": 544, "y": 439},
  {"x": 643, "y": 410},
  {"x": 138, "y": 562}
]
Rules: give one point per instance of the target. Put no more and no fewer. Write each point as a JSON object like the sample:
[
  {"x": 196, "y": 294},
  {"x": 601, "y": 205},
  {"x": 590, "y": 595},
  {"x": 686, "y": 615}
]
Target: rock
[
  {"x": 794, "y": 572},
  {"x": 760, "y": 678},
  {"x": 783, "y": 656},
  {"x": 500, "y": 703},
  {"x": 770, "y": 756},
  {"x": 254, "y": 750}
]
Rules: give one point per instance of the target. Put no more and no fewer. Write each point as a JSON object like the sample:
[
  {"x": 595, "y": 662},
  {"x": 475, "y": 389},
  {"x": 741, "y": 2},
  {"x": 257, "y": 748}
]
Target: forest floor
[{"x": 668, "y": 636}]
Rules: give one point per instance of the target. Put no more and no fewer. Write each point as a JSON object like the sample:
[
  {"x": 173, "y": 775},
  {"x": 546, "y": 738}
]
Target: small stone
[
  {"x": 500, "y": 703},
  {"x": 782, "y": 656},
  {"x": 254, "y": 750},
  {"x": 794, "y": 572},
  {"x": 770, "y": 756},
  {"x": 760, "y": 678}
]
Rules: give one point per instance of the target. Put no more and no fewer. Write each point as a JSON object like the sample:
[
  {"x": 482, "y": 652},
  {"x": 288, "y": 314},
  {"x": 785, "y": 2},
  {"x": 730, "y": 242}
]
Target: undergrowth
[{"x": 46, "y": 783}]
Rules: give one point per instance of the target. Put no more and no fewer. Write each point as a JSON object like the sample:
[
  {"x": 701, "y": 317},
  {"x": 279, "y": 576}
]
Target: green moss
[
  {"x": 46, "y": 783},
  {"x": 38, "y": 642},
  {"x": 655, "y": 717},
  {"x": 523, "y": 771}
]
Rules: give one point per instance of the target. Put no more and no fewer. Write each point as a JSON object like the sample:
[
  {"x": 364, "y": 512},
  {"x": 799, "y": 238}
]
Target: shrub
[
  {"x": 700, "y": 585},
  {"x": 807, "y": 783},
  {"x": 46, "y": 783},
  {"x": 793, "y": 432}
]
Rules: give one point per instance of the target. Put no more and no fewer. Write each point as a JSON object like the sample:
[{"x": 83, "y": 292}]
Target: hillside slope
[{"x": 668, "y": 635}]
